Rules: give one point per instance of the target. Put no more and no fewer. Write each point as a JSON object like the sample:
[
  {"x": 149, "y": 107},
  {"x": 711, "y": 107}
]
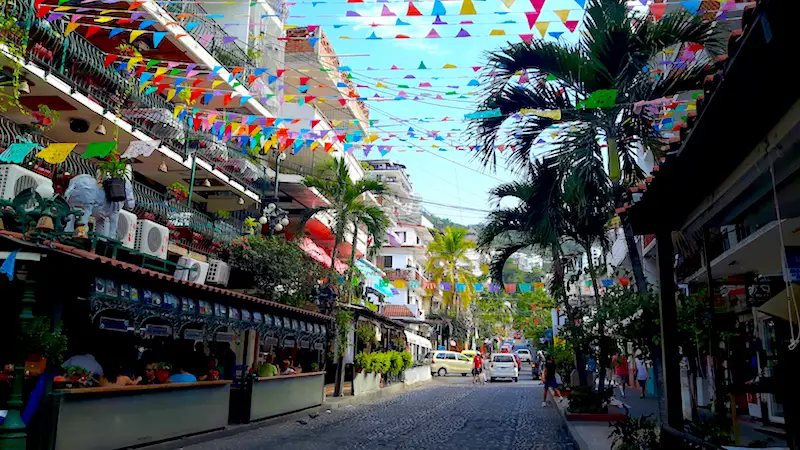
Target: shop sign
[
  {"x": 157, "y": 330},
  {"x": 288, "y": 343},
  {"x": 318, "y": 346},
  {"x": 223, "y": 337},
  {"x": 111, "y": 324},
  {"x": 193, "y": 335},
  {"x": 304, "y": 344},
  {"x": 762, "y": 289},
  {"x": 270, "y": 340}
]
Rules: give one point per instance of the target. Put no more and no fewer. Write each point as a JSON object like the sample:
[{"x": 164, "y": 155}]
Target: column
[{"x": 669, "y": 346}]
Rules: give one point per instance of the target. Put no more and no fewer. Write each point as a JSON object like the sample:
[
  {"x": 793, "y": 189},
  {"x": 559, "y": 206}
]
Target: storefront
[{"x": 148, "y": 327}]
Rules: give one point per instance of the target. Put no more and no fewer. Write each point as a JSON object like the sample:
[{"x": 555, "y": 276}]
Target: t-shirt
[
  {"x": 182, "y": 378},
  {"x": 550, "y": 371},
  {"x": 477, "y": 362},
  {"x": 620, "y": 365},
  {"x": 641, "y": 370},
  {"x": 85, "y": 361},
  {"x": 591, "y": 365},
  {"x": 267, "y": 370}
]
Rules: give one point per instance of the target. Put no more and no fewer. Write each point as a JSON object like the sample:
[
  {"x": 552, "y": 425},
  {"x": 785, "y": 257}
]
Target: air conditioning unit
[
  {"x": 15, "y": 179},
  {"x": 152, "y": 238},
  {"x": 219, "y": 272},
  {"x": 126, "y": 228},
  {"x": 192, "y": 270}
]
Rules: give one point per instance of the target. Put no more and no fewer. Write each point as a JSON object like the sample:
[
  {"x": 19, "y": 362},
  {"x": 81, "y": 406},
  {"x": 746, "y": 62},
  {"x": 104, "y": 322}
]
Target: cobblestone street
[{"x": 449, "y": 413}]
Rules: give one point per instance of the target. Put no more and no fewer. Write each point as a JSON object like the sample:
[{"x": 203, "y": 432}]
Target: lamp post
[
  {"x": 12, "y": 430},
  {"x": 276, "y": 217}
]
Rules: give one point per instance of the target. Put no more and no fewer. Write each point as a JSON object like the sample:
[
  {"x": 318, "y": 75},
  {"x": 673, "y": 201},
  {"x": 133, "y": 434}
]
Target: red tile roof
[
  {"x": 397, "y": 311},
  {"x": 74, "y": 251}
]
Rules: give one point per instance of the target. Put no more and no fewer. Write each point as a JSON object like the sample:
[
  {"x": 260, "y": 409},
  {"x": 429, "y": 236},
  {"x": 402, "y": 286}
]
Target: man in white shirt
[{"x": 86, "y": 361}]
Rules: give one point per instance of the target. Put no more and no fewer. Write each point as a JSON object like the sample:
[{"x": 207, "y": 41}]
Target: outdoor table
[
  {"x": 265, "y": 397},
  {"x": 115, "y": 417}
]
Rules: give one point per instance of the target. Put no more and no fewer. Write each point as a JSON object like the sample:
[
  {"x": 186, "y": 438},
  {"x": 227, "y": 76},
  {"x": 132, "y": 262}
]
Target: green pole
[
  {"x": 12, "y": 431},
  {"x": 191, "y": 180}
]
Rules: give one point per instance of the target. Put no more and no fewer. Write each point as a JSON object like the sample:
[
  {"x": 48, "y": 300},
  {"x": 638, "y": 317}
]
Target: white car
[
  {"x": 503, "y": 365},
  {"x": 524, "y": 355}
]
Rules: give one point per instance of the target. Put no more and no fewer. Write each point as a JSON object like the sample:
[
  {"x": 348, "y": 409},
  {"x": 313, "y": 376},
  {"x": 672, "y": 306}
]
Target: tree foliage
[
  {"x": 282, "y": 271},
  {"x": 448, "y": 263}
]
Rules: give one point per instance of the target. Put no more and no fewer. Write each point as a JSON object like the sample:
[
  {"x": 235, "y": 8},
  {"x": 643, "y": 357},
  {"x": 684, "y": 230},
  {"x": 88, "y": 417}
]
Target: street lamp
[{"x": 275, "y": 217}]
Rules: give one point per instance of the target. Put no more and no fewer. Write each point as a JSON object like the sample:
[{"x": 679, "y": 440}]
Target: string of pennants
[
  {"x": 508, "y": 288},
  {"x": 57, "y": 153}
]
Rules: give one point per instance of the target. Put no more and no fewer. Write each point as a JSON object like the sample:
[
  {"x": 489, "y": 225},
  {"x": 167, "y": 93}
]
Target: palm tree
[
  {"x": 618, "y": 50},
  {"x": 346, "y": 204},
  {"x": 448, "y": 263}
]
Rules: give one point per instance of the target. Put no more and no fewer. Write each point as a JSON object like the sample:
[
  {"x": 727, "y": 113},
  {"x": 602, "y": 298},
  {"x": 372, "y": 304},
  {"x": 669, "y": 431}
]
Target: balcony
[
  {"x": 192, "y": 229},
  {"x": 405, "y": 274},
  {"x": 79, "y": 64}
]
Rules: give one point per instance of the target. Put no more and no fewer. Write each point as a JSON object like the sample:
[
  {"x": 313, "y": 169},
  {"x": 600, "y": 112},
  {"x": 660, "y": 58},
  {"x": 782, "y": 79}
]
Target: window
[
  {"x": 503, "y": 358},
  {"x": 464, "y": 358},
  {"x": 417, "y": 239},
  {"x": 441, "y": 355},
  {"x": 387, "y": 262},
  {"x": 450, "y": 356},
  {"x": 401, "y": 236}
]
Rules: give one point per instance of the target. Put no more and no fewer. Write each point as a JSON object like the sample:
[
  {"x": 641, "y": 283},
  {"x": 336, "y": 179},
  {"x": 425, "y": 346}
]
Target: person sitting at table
[
  {"x": 183, "y": 375},
  {"x": 285, "y": 369},
  {"x": 87, "y": 362},
  {"x": 149, "y": 374},
  {"x": 115, "y": 377},
  {"x": 268, "y": 368}
]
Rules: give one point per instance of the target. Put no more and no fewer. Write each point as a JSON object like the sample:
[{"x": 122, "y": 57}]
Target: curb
[{"x": 576, "y": 437}]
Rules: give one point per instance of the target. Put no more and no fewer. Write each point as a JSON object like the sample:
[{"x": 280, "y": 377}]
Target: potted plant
[
  {"x": 76, "y": 377},
  {"x": 115, "y": 172},
  {"x": 41, "y": 345},
  {"x": 179, "y": 191}
]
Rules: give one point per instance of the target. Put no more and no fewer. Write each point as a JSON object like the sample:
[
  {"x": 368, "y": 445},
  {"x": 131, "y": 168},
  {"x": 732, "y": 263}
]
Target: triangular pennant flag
[
  {"x": 531, "y": 16},
  {"x": 401, "y": 23},
  {"x": 537, "y": 5},
  {"x": 562, "y": 14},
  {"x": 71, "y": 27},
  {"x": 158, "y": 36},
  {"x": 658, "y": 10},
  {"x": 508, "y": 3},
  {"x": 421, "y": 66},
  {"x": 497, "y": 33},
  {"x": 135, "y": 34},
  {"x": 386, "y": 12},
  {"x": 92, "y": 30},
  {"x": 463, "y": 33},
  {"x": 373, "y": 36},
  {"x": 691, "y": 5},
  {"x": 412, "y": 10},
  {"x": 432, "y": 34},
  {"x": 542, "y": 27},
  {"x": 582, "y": 3},
  {"x": 571, "y": 25},
  {"x": 438, "y": 9},
  {"x": 556, "y": 34},
  {"x": 115, "y": 31},
  {"x": 438, "y": 21},
  {"x": 467, "y": 8}
]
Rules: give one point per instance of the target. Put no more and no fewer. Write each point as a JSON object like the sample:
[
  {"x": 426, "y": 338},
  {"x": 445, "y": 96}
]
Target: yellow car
[
  {"x": 445, "y": 362},
  {"x": 470, "y": 353}
]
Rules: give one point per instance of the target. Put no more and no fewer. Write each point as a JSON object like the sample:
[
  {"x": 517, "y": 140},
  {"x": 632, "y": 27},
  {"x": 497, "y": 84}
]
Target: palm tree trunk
[
  {"x": 602, "y": 357},
  {"x": 337, "y": 239},
  {"x": 351, "y": 271},
  {"x": 633, "y": 254}
]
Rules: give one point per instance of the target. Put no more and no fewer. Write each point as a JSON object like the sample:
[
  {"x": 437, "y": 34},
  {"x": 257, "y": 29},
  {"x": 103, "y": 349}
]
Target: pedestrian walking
[
  {"x": 477, "y": 368},
  {"x": 619, "y": 363},
  {"x": 641, "y": 374},
  {"x": 549, "y": 378}
]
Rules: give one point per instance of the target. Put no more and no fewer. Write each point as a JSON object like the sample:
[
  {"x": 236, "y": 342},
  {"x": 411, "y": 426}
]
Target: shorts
[
  {"x": 550, "y": 384},
  {"x": 621, "y": 380},
  {"x": 476, "y": 370}
]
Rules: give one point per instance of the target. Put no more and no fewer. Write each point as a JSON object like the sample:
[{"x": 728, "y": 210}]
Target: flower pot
[{"x": 115, "y": 189}]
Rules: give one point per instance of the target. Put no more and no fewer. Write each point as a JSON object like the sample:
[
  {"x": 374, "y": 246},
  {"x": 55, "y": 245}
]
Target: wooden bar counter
[
  {"x": 105, "y": 418},
  {"x": 267, "y": 397}
]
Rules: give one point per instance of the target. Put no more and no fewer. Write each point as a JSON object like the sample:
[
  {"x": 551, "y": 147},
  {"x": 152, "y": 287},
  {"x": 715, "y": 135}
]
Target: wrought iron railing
[
  {"x": 222, "y": 46},
  {"x": 158, "y": 206},
  {"x": 80, "y": 64}
]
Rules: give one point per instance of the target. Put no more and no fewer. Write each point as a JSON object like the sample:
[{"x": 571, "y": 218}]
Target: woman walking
[{"x": 641, "y": 374}]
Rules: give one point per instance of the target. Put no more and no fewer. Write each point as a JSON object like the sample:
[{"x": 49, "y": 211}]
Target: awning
[
  {"x": 320, "y": 255},
  {"x": 418, "y": 340},
  {"x": 778, "y": 306},
  {"x": 373, "y": 277}
]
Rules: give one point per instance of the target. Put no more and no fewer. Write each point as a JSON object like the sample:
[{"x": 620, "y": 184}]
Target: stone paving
[{"x": 448, "y": 413}]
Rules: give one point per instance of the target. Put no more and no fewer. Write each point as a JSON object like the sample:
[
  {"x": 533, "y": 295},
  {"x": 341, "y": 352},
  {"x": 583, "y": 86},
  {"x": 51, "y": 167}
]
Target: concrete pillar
[{"x": 669, "y": 345}]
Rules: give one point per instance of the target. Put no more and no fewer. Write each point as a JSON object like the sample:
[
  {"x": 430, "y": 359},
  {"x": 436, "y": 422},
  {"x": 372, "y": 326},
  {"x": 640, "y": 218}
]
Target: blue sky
[{"x": 439, "y": 176}]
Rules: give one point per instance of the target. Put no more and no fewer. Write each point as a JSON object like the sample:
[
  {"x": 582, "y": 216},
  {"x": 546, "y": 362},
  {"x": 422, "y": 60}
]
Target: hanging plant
[
  {"x": 223, "y": 215},
  {"x": 115, "y": 172},
  {"x": 13, "y": 38},
  {"x": 179, "y": 191},
  {"x": 45, "y": 118},
  {"x": 250, "y": 225}
]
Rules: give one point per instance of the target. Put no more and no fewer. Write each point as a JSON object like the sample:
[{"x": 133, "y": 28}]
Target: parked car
[
  {"x": 524, "y": 355},
  {"x": 470, "y": 353},
  {"x": 503, "y": 365},
  {"x": 444, "y": 362}
]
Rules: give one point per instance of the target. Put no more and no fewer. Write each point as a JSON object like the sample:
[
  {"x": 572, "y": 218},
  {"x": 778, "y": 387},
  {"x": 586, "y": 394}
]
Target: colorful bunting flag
[
  {"x": 56, "y": 153},
  {"x": 17, "y": 152},
  {"x": 99, "y": 149},
  {"x": 467, "y": 8}
]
